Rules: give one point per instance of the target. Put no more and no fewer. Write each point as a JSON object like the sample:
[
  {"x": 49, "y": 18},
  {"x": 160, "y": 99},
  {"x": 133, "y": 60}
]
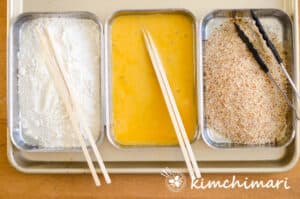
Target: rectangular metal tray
[
  {"x": 276, "y": 20},
  {"x": 14, "y": 110},
  {"x": 109, "y": 72},
  {"x": 154, "y": 159}
]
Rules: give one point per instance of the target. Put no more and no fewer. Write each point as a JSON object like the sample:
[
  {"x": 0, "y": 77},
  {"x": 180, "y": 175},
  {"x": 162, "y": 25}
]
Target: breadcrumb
[{"x": 241, "y": 103}]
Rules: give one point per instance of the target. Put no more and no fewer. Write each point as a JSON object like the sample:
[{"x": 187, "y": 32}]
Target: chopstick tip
[
  {"x": 236, "y": 25},
  {"x": 97, "y": 183},
  {"x": 253, "y": 15},
  {"x": 144, "y": 32}
]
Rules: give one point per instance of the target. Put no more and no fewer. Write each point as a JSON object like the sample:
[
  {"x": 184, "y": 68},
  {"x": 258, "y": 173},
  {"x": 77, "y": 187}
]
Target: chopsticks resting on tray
[
  {"x": 66, "y": 92},
  {"x": 178, "y": 125},
  {"x": 262, "y": 64},
  {"x": 274, "y": 51}
]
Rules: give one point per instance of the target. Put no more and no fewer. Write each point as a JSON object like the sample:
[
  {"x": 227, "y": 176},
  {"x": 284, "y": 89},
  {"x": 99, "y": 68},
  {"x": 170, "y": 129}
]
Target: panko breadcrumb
[{"x": 241, "y": 103}]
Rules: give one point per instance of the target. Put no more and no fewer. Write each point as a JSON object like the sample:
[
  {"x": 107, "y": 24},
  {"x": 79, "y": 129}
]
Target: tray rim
[{"x": 286, "y": 167}]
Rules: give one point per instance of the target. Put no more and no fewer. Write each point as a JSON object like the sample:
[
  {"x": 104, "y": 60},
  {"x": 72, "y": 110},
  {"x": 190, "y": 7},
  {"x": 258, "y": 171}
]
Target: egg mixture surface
[{"x": 140, "y": 115}]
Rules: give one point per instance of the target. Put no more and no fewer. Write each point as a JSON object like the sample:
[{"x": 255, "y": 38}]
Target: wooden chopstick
[
  {"x": 172, "y": 108},
  {"x": 79, "y": 111},
  {"x": 65, "y": 91}
]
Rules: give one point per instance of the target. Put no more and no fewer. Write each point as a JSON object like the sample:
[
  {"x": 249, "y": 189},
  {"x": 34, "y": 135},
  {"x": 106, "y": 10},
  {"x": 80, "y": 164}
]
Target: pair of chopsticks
[
  {"x": 262, "y": 64},
  {"x": 66, "y": 92},
  {"x": 181, "y": 134}
]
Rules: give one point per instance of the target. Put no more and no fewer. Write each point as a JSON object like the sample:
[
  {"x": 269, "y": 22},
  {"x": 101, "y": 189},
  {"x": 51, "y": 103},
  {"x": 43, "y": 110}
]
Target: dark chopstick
[
  {"x": 274, "y": 51},
  {"x": 265, "y": 37},
  {"x": 262, "y": 64},
  {"x": 251, "y": 48}
]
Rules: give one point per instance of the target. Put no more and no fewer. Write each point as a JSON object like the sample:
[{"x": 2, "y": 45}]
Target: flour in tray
[{"x": 44, "y": 119}]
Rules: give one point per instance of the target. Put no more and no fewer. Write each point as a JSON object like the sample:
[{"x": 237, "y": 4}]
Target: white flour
[{"x": 44, "y": 120}]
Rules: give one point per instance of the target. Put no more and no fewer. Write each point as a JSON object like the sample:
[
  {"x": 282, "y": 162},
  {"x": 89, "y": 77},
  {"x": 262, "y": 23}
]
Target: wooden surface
[{"x": 14, "y": 184}]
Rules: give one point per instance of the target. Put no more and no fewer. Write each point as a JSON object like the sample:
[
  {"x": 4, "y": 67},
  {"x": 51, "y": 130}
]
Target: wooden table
[{"x": 14, "y": 184}]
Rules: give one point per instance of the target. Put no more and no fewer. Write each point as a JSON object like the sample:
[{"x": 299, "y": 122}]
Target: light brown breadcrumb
[{"x": 241, "y": 102}]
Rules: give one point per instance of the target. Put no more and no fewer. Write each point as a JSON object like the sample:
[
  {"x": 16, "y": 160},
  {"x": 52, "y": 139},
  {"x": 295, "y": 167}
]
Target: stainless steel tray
[
  {"x": 154, "y": 159},
  {"x": 14, "y": 112},
  {"x": 275, "y": 20},
  {"x": 109, "y": 72}
]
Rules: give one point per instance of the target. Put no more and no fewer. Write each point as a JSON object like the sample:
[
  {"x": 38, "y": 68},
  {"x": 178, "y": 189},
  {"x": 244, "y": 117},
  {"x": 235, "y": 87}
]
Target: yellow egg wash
[{"x": 140, "y": 115}]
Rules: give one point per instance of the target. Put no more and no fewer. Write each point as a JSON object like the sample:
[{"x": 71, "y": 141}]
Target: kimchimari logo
[{"x": 176, "y": 182}]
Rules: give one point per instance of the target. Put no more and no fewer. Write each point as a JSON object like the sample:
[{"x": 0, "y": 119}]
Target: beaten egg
[{"x": 139, "y": 113}]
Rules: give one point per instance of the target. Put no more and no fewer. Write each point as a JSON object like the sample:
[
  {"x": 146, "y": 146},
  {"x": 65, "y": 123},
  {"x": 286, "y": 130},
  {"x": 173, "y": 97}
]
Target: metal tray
[
  {"x": 276, "y": 20},
  {"x": 154, "y": 159},
  {"x": 108, "y": 71},
  {"x": 14, "y": 122}
]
